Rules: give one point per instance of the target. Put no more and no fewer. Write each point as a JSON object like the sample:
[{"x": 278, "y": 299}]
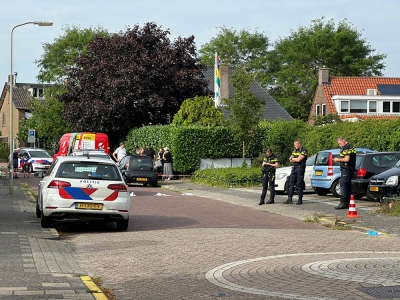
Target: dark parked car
[
  {"x": 139, "y": 169},
  {"x": 385, "y": 184},
  {"x": 368, "y": 165}
]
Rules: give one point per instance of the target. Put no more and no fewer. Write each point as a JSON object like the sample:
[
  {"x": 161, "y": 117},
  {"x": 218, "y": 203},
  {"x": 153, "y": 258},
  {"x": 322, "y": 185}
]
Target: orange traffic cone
[{"x": 352, "y": 209}]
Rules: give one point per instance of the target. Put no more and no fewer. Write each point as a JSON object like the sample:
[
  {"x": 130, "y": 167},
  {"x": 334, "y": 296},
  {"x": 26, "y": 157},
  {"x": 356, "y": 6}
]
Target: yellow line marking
[{"x": 94, "y": 289}]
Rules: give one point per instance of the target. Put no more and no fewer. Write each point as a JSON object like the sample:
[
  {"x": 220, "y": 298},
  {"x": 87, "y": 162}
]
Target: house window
[
  {"x": 3, "y": 120},
  {"x": 344, "y": 106},
  {"x": 358, "y": 107},
  {"x": 386, "y": 107},
  {"x": 396, "y": 107},
  {"x": 317, "y": 112},
  {"x": 37, "y": 92},
  {"x": 372, "y": 106},
  {"x": 324, "y": 109}
]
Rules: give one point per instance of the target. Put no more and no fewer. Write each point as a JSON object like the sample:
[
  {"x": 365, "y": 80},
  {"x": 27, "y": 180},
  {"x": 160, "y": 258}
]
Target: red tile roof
[
  {"x": 365, "y": 116},
  {"x": 354, "y": 86}
]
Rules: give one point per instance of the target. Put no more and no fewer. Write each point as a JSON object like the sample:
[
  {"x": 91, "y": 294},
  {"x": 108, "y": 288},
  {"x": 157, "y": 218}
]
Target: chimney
[
  {"x": 323, "y": 75},
  {"x": 224, "y": 68}
]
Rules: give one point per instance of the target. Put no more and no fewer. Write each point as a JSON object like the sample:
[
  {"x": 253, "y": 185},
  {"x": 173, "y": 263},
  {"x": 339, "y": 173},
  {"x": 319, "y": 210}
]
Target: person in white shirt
[{"x": 120, "y": 152}]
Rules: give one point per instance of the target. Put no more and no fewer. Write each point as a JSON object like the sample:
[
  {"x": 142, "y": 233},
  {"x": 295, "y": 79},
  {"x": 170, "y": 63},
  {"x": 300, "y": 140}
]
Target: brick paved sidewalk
[{"x": 35, "y": 263}]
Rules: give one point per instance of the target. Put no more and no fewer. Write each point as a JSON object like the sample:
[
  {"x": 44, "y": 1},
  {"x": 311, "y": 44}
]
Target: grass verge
[{"x": 331, "y": 222}]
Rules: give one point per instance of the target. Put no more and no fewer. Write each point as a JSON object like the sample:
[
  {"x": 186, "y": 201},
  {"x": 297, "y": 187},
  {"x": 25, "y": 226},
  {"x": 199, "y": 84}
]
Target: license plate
[
  {"x": 96, "y": 206},
  {"x": 318, "y": 173},
  {"x": 141, "y": 179},
  {"x": 374, "y": 189}
]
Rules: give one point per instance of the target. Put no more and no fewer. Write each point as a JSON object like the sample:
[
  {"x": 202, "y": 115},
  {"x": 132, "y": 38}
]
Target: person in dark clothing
[
  {"x": 269, "y": 165},
  {"x": 15, "y": 157},
  {"x": 167, "y": 158},
  {"x": 298, "y": 158},
  {"x": 347, "y": 160},
  {"x": 150, "y": 152}
]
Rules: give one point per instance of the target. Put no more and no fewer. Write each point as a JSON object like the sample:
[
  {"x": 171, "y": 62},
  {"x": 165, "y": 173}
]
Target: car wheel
[
  {"x": 45, "y": 222},
  {"x": 321, "y": 191},
  {"x": 335, "y": 189},
  {"x": 370, "y": 198},
  {"x": 295, "y": 191},
  {"x": 144, "y": 184},
  {"x": 122, "y": 224},
  {"x": 38, "y": 212},
  {"x": 155, "y": 184}
]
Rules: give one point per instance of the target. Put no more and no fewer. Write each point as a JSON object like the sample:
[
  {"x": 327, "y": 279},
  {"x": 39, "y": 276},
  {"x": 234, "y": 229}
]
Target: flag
[{"x": 217, "y": 84}]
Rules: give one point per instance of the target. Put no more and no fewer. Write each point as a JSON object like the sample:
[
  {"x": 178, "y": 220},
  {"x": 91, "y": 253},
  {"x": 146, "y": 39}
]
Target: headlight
[
  {"x": 281, "y": 176},
  {"x": 392, "y": 180}
]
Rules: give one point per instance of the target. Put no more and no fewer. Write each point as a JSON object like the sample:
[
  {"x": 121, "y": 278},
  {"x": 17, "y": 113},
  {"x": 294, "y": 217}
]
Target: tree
[
  {"x": 46, "y": 119},
  {"x": 245, "y": 108},
  {"x": 56, "y": 61},
  {"x": 198, "y": 111},
  {"x": 130, "y": 79},
  {"x": 237, "y": 48},
  {"x": 292, "y": 75},
  {"x": 59, "y": 57}
]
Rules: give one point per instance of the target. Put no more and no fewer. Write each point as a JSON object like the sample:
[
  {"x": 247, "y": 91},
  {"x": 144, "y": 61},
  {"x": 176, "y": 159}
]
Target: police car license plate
[
  {"x": 141, "y": 179},
  {"x": 374, "y": 189},
  {"x": 95, "y": 206},
  {"x": 318, "y": 173}
]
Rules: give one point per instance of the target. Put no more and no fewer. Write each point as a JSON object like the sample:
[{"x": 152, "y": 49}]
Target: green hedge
[{"x": 189, "y": 144}]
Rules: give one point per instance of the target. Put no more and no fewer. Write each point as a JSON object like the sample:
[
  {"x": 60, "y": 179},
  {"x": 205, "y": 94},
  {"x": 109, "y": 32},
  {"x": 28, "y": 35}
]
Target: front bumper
[{"x": 379, "y": 191}]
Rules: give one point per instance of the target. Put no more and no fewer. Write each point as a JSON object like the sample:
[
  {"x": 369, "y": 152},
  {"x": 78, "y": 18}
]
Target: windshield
[
  {"x": 39, "y": 153},
  {"x": 85, "y": 170}
]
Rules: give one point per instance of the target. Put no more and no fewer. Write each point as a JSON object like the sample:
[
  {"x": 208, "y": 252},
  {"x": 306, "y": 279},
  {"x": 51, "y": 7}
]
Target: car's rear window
[
  {"x": 83, "y": 170},
  {"x": 384, "y": 161},
  {"x": 323, "y": 159},
  {"x": 140, "y": 162}
]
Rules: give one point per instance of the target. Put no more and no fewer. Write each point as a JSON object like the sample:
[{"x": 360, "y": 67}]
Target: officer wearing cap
[
  {"x": 269, "y": 165},
  {"x": 298, "y": 158},
  {"x": 347, "y": 160}
]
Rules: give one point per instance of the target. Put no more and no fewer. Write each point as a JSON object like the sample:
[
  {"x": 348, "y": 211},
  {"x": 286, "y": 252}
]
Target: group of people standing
[
  {"x": 347, "y": 160},
  {"x": 162, "y": 160}
]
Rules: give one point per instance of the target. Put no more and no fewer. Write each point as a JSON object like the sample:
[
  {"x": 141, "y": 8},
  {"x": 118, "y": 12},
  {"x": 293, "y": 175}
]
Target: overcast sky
[{"x": 378, "y": 22}]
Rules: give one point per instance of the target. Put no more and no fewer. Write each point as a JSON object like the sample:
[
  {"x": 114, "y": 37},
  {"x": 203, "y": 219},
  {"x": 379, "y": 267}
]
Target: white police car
[
  {"x": 35, "y": 159},
  {"x": 80, "y": 187},
  {"x": 282, "y": 177}
]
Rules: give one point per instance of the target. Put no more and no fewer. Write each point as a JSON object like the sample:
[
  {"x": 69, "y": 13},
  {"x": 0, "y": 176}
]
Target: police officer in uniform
[
  {"x": 269, "y": 165},
  {"x": 298, "y": 158},
  {"x": 347, "y": 159}
]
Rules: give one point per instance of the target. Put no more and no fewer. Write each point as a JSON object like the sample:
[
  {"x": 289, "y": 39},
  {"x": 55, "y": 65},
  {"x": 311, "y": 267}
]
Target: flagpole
[{"x": 217, "y": 81}]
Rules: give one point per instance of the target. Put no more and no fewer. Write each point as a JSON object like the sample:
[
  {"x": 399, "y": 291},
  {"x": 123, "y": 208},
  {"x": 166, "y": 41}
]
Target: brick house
[
  {"x": 22, "y": 93},
  {"x": 356, "y": 98}
]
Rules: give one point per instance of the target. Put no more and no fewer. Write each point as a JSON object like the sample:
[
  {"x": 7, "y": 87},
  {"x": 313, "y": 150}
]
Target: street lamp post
[{"x": 11, "y": 83}]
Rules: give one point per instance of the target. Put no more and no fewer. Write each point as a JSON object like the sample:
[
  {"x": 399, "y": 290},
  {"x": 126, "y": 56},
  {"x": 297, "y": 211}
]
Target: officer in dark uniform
[
  {"x": 347, "y": 161},
  {"x": 269, "y": 165},
  {"x": 298, "y": 158}
]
